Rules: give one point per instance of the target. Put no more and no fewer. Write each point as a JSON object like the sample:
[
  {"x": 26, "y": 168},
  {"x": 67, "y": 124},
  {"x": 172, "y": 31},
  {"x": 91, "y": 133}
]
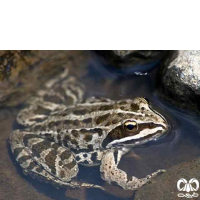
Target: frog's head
[{"x": 134, "y": 122}]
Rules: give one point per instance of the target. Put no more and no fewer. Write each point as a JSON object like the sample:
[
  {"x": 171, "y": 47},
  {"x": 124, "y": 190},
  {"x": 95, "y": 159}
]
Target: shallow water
[{"x": 181, "y": 143}]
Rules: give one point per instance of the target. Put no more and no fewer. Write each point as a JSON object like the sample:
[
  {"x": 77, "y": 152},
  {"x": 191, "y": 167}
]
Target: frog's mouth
[
  {"x": 132, "y": 142},
  {"x": 138, "y": 139}
]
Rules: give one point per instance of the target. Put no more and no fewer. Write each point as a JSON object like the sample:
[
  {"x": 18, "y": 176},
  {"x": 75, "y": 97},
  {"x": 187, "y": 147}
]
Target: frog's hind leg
[
  {"x": 68, "y": 90},
  {"x": 95, "y": 100},
  {"x": 46, "y": 160},
  {"x": 111, "y": 173},
  {"x": 41, "y": 157},
  {"x": 56, "y": 97}
]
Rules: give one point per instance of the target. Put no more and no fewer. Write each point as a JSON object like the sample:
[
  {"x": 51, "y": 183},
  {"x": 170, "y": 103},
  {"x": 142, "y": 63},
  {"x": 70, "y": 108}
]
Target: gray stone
[
  {"x": 164, "y": 187},
  {"x": 131, "y": 61},
  {"x": 144, "y": 53},
  {"x": 181, "y": 78},
  {"x": 123, "y": 53}
]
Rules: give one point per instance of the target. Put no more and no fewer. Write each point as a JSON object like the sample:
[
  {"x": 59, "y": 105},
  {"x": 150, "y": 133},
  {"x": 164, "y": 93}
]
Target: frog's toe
[{"x": 160, "y": 171}]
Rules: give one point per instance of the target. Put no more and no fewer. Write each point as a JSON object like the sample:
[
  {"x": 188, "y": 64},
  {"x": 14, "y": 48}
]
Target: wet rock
[
  {"x": 130, "y": 61},
  {"x": 181, "y": 79},
  {"x": 118, "y": 191},
  {"x": 164, "y": 187},
  {"x": 9, "y": 61},
  {"x": 76, "y": 193},
  {"x": 23, "y": 72},
  {"x": 123, "y": 54}
]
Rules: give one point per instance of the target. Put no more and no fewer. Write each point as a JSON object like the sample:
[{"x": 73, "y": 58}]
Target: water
[{"x": 181, "y": 144}]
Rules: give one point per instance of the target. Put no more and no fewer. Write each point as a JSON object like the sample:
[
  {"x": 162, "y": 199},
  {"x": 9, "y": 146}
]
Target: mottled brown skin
[{"x": 57, "y": 138}]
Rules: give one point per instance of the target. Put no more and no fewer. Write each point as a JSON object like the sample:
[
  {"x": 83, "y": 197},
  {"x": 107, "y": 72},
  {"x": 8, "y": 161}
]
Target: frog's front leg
[
  {"x": 111, "y": 173},
  {"x": 45, "y": 159}
]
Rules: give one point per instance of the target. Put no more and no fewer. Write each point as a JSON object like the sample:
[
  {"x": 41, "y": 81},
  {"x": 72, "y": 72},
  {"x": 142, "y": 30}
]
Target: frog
[{"x": 61, "y": 130}]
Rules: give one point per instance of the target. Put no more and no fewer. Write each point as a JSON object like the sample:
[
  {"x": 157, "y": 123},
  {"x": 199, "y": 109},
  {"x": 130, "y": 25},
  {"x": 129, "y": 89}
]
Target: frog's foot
[
  {"x": 160, "y": 171},
  {"x": 112, "y": 174},
  {"x": 43, "y": 158}
]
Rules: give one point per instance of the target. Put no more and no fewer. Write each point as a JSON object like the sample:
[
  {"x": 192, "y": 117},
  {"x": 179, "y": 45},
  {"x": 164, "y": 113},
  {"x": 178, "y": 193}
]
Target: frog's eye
[{"x": 130, "y": 126}]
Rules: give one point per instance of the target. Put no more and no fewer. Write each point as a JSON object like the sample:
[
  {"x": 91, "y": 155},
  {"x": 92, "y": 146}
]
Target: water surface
[{"x": 181, "y": 144}]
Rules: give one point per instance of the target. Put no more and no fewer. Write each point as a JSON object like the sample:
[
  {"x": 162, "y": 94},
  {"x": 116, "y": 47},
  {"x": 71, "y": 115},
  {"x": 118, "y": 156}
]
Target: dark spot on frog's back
[
  {"x": 55, "y": 146},
  {"x": 85, "y": 155},
  {"x": 87, "y": 121},
  {"x": 41, "y": 111},
  {"x": 114, "y": 121},
  {"x": 53, "y": 99},
  {"x": 67, "y": 138},
  {"x": 106, "y": 107},
  {"x": 38, "y": 120},
  {"x": 108, "y": 124},
  {"x": 39, "y": 128},
  {"x": 120, "y": 115},
  {"x": 134, "y": 107},
  {"x": 90, "y": 147},
  {"x": 78, "y": 158},
  {"x": 54, "y": 124},
  {"x": 143, "y": 108},
  {"x": 88, "y": 137},
  {"x": 68, "y": 122},
  {"x": 91, "y": 131},
  {"x": 74, "y": 142},
  {"x": 94, "y": 156},
  {"x": 75, "y": 133},
  {"x": 99, "y": 131},
  {"x": 83, "y": 131},
  {"x": 51, "y": 160},
  {"x": 76, "y": 122},
  {"x": 60, "y": 163},
  {"x": 80, "y": 112},
  {"x": 122, "y": 107},
  {"x": 65, "y": 155},
  {"x": 102, "y": 118},
  {"x": 96, "y": 130},
  {"x": 122, "y": 103},
  {"x": 38, "y": 148},
  {"x": 51, "y": 124}
]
